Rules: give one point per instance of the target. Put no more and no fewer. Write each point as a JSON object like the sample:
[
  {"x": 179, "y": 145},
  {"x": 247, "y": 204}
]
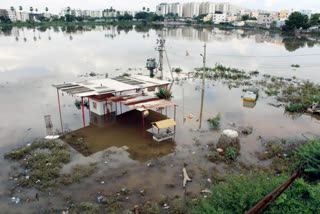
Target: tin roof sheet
[{"x": 108, "y": 85}]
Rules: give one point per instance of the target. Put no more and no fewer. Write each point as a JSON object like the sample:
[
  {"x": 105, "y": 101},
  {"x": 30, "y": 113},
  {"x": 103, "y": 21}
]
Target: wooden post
[{"x": 60, "y": 110}]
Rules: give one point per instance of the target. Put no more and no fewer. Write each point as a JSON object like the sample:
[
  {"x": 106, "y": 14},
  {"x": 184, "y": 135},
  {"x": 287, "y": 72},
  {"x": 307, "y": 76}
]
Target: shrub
[
  {"x": 272, "y": 92},
  {"x": 92, "y": 74},
  {"x": 215, "y": 121},
  {"x": 231, "y": 153},
  {"x": 177, "y": 70},
  {"x": 78, "y": 104},
  {"x": 310, "y": 152},
  {"x": 162, "y": 93},
  {"x": 240, "y": 193}
]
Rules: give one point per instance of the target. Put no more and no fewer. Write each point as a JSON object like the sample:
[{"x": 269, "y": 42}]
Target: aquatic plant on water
[
  {"x": 215, "y": 121},
  {"x": 231, "y": 153}
]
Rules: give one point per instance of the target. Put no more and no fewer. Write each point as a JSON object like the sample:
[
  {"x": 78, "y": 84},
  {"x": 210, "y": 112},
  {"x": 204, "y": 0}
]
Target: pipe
[
  {"x": 83, "y": 117},
  {"x": 60, "y": 110}
]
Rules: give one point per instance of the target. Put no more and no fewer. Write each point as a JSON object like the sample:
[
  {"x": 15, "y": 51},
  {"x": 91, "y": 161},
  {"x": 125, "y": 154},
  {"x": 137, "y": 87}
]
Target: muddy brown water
[{"x": 29, "y": 68}]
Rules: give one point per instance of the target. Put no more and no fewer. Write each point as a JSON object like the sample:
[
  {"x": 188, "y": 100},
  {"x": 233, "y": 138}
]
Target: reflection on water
[
  {"x": 123, "y": 131},
  {"x": 291, "y": 43}
]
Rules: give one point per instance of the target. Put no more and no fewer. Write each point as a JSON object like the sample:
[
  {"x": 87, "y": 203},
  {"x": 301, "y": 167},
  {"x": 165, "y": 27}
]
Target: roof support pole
[
  {"x": 60, "y": 110},
  {"x": 143, "y": 131},
  {"x": 120, "y": 104},
  {"x": 84, "y": 121},
  {"x": 166, "y": 92}
]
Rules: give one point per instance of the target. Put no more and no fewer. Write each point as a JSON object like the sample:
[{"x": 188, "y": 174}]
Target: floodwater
[{"x": 32, "y": 60}]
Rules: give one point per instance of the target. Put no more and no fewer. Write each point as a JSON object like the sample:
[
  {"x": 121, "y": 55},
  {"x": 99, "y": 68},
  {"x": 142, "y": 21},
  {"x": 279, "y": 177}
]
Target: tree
[
  {"x": 20, "y": 8},
  {"x": 245, "y": 17},
  {"x": 296, "y": 21},
  {"x": 31, "y": 9},
  {"x": 70, "y": 18},
  {"x": 68, "y": 10},
  {"x": 143, "y": 8},
  {"x": 141, "y": 15},
  {"x": 46, "y": 9},
  {"x": 5, "y": 19},
  {"x": 36, "y": 10},
  {"x": 148, "y": 9},
  {"x": 125, "y": 17},
  {"x": 315, "y": 19}
]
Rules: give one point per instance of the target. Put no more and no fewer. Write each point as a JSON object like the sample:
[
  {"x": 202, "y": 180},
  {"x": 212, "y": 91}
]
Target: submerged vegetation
[
  {"x": 215, "y": 121},
  {"x": 42, "y": 162},
  {"x": 163, "y": 93}
]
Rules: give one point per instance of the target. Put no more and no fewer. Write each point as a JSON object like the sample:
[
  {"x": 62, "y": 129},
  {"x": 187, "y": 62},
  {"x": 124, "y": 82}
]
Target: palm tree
[
  {"x": 143, "y": 8},
  {"x": 20, "y": 8},
  {"x": 36, "y": 10},
  {"x": 12, "y": 8},
  {"x": 46, "y": 9},
  {"x": 148, "y": 9},
  {"x": 31, "y": 9},
  {"x": 68, "y": 10}
]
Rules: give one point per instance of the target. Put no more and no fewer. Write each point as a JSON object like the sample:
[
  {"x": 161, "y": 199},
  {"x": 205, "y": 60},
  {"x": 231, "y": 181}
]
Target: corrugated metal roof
[
  {"x": 105, "y": 86},
  {"x": 141, "y": 102}
]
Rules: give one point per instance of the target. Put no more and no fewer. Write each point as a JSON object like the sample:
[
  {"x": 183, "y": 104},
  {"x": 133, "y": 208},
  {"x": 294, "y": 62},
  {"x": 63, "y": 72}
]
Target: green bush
[
  {"x": 272, "y": 92},
  {"x": 231, "y": 153},
  {"x": 310, "y": 152},
  {"x": 215, "y": 121},
  {"x": 177, "y": 70},
  {"x": 241, "y": 192},
  {"x": 162, "y": 93}
]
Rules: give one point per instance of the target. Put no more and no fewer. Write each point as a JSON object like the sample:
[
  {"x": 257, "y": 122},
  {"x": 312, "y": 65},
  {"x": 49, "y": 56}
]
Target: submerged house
[{"x": 110, "y": 98}]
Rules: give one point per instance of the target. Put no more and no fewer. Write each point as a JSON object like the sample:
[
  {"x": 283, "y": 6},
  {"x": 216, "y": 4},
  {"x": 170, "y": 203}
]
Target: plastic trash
[
  {"x": 99, "y": 198},
  {"x": 17, "y": 200},
  {"x": 190, "y": 116},
  {"x": 219, "y": 150}
]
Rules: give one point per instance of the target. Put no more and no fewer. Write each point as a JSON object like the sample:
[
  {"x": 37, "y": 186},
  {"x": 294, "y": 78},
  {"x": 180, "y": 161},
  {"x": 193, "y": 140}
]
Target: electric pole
[
  {"x": 161, "y": 43},
  {"x": 203, "y": 76}
]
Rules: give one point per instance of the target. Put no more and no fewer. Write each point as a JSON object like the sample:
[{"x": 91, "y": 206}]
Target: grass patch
[{"x": 42, "y": 160}]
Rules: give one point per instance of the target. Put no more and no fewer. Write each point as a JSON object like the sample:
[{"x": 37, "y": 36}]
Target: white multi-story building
[
  {"x": 207, "y": 8},
  {"x": 86, "y": 12},
  {"x": 190, "y": 9},
  {"x": 96, "y": 13},
  {"x": 218, "y": 18},
  {"x": 162, "y": 9},
  {"x": 22, "y": 16},
  {"x": 12, "y": 15},
  {"x": 306, "y": 12},
  {"x": 175, "y": 8},
  {"x": 78, "y": 13},
  {"x": 266, "y": 20}
]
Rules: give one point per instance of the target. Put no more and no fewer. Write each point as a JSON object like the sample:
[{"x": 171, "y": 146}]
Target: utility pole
[
  {"x": 161, "y": 43},
  {"x": 203, "y": 76}
]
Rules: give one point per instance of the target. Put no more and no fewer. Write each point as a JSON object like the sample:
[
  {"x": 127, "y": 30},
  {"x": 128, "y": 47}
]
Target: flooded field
[{"x": 31, "y": 61}]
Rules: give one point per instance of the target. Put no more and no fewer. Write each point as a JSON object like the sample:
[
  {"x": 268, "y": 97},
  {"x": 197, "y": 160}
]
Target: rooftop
[{"x": 109, "y": 85}]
